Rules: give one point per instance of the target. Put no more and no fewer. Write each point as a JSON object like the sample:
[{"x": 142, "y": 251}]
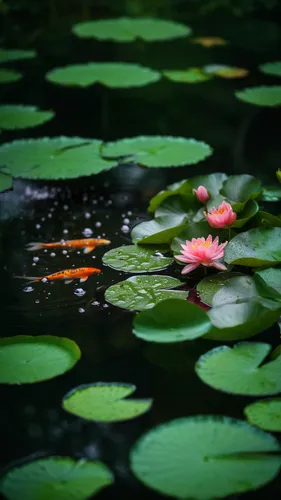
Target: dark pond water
[{"x": 245, "y": 140}]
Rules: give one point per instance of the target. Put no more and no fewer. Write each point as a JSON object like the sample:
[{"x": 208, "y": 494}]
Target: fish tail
[
  {"x": 34, "y": 246},
  {"x": 32, "y": 279}
]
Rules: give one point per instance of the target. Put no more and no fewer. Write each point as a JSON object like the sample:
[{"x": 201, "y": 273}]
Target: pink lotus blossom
[
  {"x": 200, "y": 251},
  {"x": 222, "y": 216},
  {"x": 201, "y": 194}
]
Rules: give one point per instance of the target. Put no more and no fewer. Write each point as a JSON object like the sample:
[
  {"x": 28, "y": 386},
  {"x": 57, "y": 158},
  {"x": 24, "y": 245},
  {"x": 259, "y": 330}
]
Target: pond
[{"x": 135, "y": 378}]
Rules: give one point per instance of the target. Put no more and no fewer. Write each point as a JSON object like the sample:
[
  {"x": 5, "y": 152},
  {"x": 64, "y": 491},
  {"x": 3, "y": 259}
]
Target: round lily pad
[
  {"x": 205, "y": 457},
  {"x": 268, "y": 282},
  {"x": 159, "y": 230},
  {"x": 136, "y": 259},
  {"x": 182, "y": 189},
  {"x": 241, "y": 188},
  {"x": 159, "y": 151},
  {"x": 265, "y": 414},
  {"x": 6, "y": 181},
  {"x": 143, "y": 292},
  {"x": 271, "y": 68},
  {"x": 54, "y": 157},
  {"x": 255, "y": 248},
  {"x": 9, "y": 75},
  {"x": 210, "y": 285},
  {"x": 190, "y": 75},
  {"x": 104, "y": 402},
  {"x": 271, "y": 193},
  {"x": 56, "y": 478},
  {"x": 261, "y": 96},
  {"x": 238, "y": 369},
  {"x": 7, "y": 55},
  {"x": 115, "y": 75},
  {"x": 172, "y": 320},
  {"x": 20, "y": 116},
  {"x": 125, "y": 29},
  {"x": 25, "y": 359}
]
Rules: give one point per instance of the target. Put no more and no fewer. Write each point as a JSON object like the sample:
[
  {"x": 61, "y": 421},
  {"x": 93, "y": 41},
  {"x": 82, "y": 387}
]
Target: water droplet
[
  {"x": 44, "y": 280},
  {"x": 28, "y": 289},
  {"x": 65, "y": 207},
  {"x": 79, "y": 292},
  {"x": 87, "y": 215},
  {"x": 129, "y": 212},
  {"x": 37, "y": 301},
  {"x": 105, "y": 306},
  {"x": 98, "y": 224},
  {"x": 35, "y": 259},
  {"x": 65, "y": 231},
  {"x": 87, "y": 231},
  {"x": 125, "y": 229},
  {"x": 95, "y": 303},
  {"x": 64, "y": 252},
  {"x": 38, "y": 226},
  {"x": 52, "y": 254},
  {"x": 126, "y": 221},
  {"x": 50, "y": 216},
  {"x": 81, "y": 310}
]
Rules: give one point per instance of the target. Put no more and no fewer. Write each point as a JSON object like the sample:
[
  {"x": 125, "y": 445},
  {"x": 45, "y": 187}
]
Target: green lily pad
[
  {"x": 159, "y": 151},
  {"x": 7, "y": 55},
  {"x": 104, "y": 402},
  {"x": 271, "y": 68},
  {"x": 6, "y": 181},
  {"x": 189, "y": 75},
  {"x": 265, "y": 219},
  {"x": 53, "y": 158},
  {"x": 136, "y": 259},
  {"x": 20, "y": 116},
  {"x": 268, "y": 282},
  {"x": 55, "y": 478},
  {"x": 182, "y": 189},
  {"x": 255, "y": 248},
  {"x": 143, "y": 292},
  {"x": 241, "y": 188},
  {"x": 265, "y": 414},
  {"x": 172, "y": 320},
  {"x": 158, "y": 230},
  {"x": 114, "y": 75},
  {"x": 26, "y": 359},
  {"x": 212, "y": 182},
  {"x": 205, "y": 457},
  {"x": 271, "y": 193},
  {"x": 9, "y": 75},
  {"x": 210, "y": 285},
  {"x": 278, "y": 174},
  {"x": 238, "y": 369},
  {"x": 235, "y": 289},
  {"x": 261, "y": 96},
  {"x": 179, "y": 207},
  {"x": 196, "y": 230},
  {"x": 126, "y": 29},
  {"x": 250, "y": 209}
]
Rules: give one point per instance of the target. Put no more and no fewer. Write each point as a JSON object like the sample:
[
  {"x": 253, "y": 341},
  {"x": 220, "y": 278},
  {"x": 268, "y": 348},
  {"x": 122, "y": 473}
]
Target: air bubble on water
[
  {"x": 79, "y": 292},
  {"x": 65, "y": 231},
  {"x": 85, "y": 197},
  {"x": 34, "y": 263},
  {"x": 93, "y": 256},
  {"x": 123, "y": 215},
  {"x": 67, "y": 256},
  {"x": 101, "y": 198},
  {"x": 35, "y": 259},
  {"x": 64, "y": 252},
  {"x": 78, "y": 252},
  {"x": 105, "y": 306},
  {"x": 107, "y": 216},
  {"x": 126, "y": 221},
  {"x": 65, "y": 207},
  {"x": 45, "y": 250},
  {"x": 52, "y": 254},
  {"x": 129, "y": 212},
  {"x": 37, "y": 301},
  {"x": 38, "y": 226},
  {"x": 87, "y": 231},
  {"x": 125, "y": 229},
  {"x": 109, "y": 202},
  {"x": 56, "y": 203},
  {"x": 95, "y": 303},
  {"x": 94, "y": 202},
  {"x": 52, "y": 209},
  {"x": 87, "y": 215},
  {"x": 43, "y": 219},
  {"x": 98, "y": 224},
  {"x": 62, "y": 241},
  {"x": 81, "y": 310},
  {"x": 50, "y": 216},
  {"x": 44, "y": 280},
  {"x": 28, "y": 289}
]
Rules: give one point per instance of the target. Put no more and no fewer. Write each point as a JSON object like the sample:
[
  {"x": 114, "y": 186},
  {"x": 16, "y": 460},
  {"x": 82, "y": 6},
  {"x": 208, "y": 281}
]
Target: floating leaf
[
  {"x": 268, "y": 282},
  {"x": 255, "y": 248},
  {"x": 196, "y": 230},
  {"x": 20, "y": 116},
  {"x": 53, "y": 158},
  {"x": 56, "y": 478},
  {"x": 271, "y": 68},
  {"x": 159, "y": 151},
  {"x": 9, "y": 75},
  {"x": 241, "y": 188},
  {"x": 212, "y": 182},
  {"x": 265, "y": 414},
  {"x": 266, "y": 219},
  {"x": 136, "y": 259},
  {"x": 25, "y": 359},
  {"x": 7, "y": 55},
  {"x": 235, "y": 289},
  {"x": 172, "y": 320},
  {"x": 205, "y": 457},
  {"x": 182, "y": 189},
  {"x": 114, "y": 75},
  {"x": 125, "y": 29},
  {"x": 143, "y": 292},
  {"x": 261, "y": 96},
  {"x": 6, "y": 181},
  {"x": 189, "y": 75},
  {"x": 208, "y": 41},
  {"x": 104, "y": 402},
  {"x": 179, "y": 207},
  {"x": 238, "y": 369},
  {"x": 271, "y": 193},
  {"x": 158, "y": 230},
  {"x": 250, "y": 209},
  {"x": 210, "y": 285}
]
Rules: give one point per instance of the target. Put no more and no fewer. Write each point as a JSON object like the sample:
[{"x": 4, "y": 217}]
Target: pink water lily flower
[
  {"x": 200, "y": 251},
  {"x": 222, "y": 216},
  {"x": 201, "y": 194}
]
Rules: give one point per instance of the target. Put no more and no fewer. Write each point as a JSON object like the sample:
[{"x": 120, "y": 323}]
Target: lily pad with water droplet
[
  {"x": 54, "y": 158},
  {"x": 271, "y": 193},
  {"x": 239, "y": 369},
  {"x": 268, "y": 95},
  {"x": 114, "y": 75},
  {"x": 265, "y": 414},
  {"x": 9, "y": 75},
  {"x": 26, "y": 359},
  {"x": 6, "y": 181},
  {"x": 126, "y": 29},
  {"x": 171, "y": 321},
  {"x": 158, "y": 230},
  {"x": 56, "y": 478},
  {"x": 255, "y": 248},
  {"x": 136, "y": 259},
  {"x": 158, "y": 151},
  {"x": 20, "y": 116},
  {"x": 179, "y": 207},
  {"x": 7, "y": 55},
  {"x": 143, "y": 292},
  {"x": 205, "y": 457},
  {"x": 268, "y": 282},
  {"x": 241, "y": 188},
  {"x": 189, "y": 75},
  {"x": 210, "y": 285},
  {"x": 271, "y": 68},
  {"x": 182, "y": 188},
  {"x": 105, "y": 402}
]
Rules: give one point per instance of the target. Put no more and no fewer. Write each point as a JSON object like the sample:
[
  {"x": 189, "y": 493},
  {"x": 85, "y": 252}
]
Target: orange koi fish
[
  {"x": 206, "y": 41},
  {"x": 68, "y": 275},
  {"x": 88, "y": 244}
]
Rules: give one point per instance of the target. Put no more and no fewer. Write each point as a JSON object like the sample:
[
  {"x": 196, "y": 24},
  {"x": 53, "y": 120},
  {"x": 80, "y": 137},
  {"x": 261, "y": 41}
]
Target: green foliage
[
  {"x": 255, "y": 248},
  {"x": 7, "y": 55},
  {"x": 136, "y": 259},
  {"x": 268, "y": 282},
  {"x": 190, "y": 75},
  {"x": 271, "y": 68},
  {"x": 261, "y": 96},
  {"x": 265, "y": 414},
  {"x": 271, "y": 193},
  {"x": 9, "y": 75},
  {"x": 6, "y": 181},
  {"x": 210, "y": 285},
  {"x": 20, "y": 116},
  {"x": 158, "y": 230}
]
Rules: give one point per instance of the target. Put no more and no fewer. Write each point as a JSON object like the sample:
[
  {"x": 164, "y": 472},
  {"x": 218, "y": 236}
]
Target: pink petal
[
  {"x": 220, "y": 266},
  {"x": 189, "y": 268}
]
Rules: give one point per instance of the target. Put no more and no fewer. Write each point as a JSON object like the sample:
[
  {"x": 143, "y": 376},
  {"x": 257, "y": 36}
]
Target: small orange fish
[
  {"x": 206, "y": 41},
  {"x": 88, "y": 244},
  {"x": 68, "y": 275}
]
